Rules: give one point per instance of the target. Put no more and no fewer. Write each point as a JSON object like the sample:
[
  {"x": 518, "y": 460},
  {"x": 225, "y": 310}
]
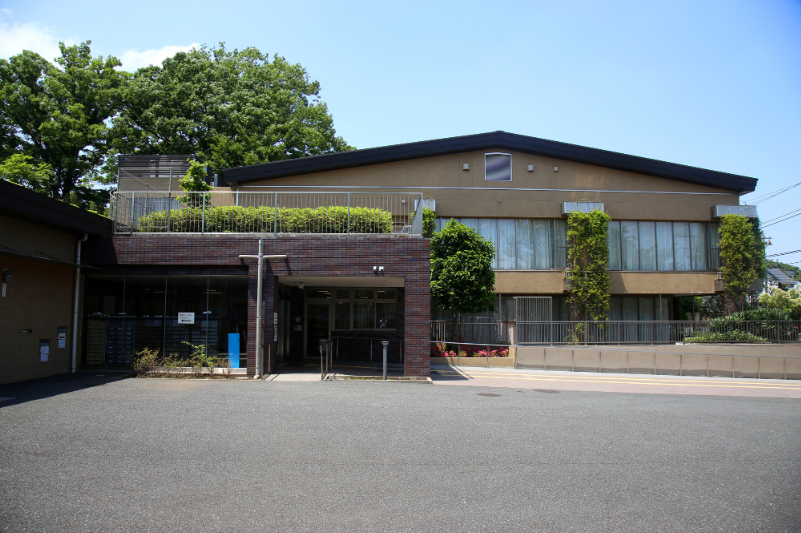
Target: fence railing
[
  {"x": 495, "y": 332},
  {"x": 658, "y": 331},
  {"x": 619, "y": 332},
  {"x": 266, "y": 212}
]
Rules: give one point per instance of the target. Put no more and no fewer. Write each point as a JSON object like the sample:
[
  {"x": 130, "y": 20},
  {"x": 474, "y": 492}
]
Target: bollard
[{"x": 385, "y": 343}]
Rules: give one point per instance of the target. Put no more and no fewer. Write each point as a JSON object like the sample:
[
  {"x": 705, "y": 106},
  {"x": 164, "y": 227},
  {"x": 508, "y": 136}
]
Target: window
[
  {"x": 365, "y": 309},
  {"x": 498, "y": 167},
  {"x": 541, "y": 244}
]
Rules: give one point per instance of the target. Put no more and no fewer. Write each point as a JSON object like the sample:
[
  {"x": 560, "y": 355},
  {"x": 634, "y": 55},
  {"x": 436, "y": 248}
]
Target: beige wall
[
  {"x": 39, "y": 297},
  {"x": 31, "y": 239},
  {"x": 623, "y": 283},
  {"x": 656, "y": 201}
]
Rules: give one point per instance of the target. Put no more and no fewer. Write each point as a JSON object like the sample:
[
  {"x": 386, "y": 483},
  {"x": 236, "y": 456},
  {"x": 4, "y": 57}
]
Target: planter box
[{"x": 474, "y": 361}]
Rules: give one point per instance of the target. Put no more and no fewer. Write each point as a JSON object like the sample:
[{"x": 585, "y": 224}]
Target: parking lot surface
[{"x": 100, "y": 454}]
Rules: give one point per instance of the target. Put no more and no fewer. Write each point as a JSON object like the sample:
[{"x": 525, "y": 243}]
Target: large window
[
  {"x": 364, "y": 309},
  {"x": 128, "y": 313},
  {"x": 663, "y": 246},
  {"x": 541, "y": 244}
]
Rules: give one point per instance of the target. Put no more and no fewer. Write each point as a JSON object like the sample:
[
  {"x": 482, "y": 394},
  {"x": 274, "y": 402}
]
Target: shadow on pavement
[
  {"x": 38, "y": 389},
  {"x": 448, "y": 373}
]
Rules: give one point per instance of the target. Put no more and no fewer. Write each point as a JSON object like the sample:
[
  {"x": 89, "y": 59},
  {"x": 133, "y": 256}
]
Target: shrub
[
  {"x": 145, "y": 362},
  {"x": 238, "y": 219},
  {"x": 734, "y": 335}
]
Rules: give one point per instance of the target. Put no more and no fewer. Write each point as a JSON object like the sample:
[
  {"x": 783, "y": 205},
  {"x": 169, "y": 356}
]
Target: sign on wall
[
  {"x": 44, "y": 350},
  {"x": 186, "y": 318}
]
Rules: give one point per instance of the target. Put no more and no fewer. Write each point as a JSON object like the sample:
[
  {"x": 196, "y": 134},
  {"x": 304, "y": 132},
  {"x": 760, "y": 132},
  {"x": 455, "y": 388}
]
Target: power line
[
  {"x": 782, "y": 218},
  {"x": 784, "y": 253},
  {"x": 768, "y": 196}
]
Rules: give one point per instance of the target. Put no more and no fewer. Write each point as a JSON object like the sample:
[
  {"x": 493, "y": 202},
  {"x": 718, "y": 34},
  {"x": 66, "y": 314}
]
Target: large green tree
[
  {"x": 742, "y": 257},
  {"x": 57, "y": 116},
  {"x": 462, "y": 278},
  {"x": 230, "y": 108}
]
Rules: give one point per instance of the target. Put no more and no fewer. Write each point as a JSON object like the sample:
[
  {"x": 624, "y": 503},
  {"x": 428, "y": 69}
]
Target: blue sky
[{"x": 713, "y": 84}]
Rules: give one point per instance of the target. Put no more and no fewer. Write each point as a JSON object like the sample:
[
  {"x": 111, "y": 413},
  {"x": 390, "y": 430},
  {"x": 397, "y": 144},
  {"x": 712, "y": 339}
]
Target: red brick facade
[{"x": 318, "y": 255}]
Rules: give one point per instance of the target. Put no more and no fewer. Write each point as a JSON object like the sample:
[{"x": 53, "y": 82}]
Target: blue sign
[{"x": 233, "y": 350}]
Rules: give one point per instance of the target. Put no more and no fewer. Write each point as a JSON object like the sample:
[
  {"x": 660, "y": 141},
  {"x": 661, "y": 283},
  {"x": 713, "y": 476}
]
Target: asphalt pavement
[{"x": 106, "y": 454}]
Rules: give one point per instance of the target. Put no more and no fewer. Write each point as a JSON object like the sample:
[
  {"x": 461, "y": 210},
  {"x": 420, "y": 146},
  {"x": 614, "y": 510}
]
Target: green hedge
[
  {"x": 236, "y": 219},
  {"x": 726, "y": 336}
]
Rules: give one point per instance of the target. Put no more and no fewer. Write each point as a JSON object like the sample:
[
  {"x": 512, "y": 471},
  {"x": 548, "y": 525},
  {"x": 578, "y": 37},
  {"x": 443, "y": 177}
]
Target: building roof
[
  {"x": 24, "y": 204},
  {"x": 483, "y": 141},
  {"x": 781, "y": 276}
]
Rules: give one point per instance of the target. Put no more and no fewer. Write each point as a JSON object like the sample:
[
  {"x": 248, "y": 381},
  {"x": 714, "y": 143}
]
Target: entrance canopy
[{"x": 343, "y": 281}]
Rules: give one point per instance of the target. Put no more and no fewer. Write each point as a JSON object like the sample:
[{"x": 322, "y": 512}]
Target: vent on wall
[{"x": 582, "y": 207}]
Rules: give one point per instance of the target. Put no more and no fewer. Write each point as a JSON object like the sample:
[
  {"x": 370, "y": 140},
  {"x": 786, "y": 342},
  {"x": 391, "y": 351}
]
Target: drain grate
[
  {"x": 490, "y": 394},
  {"x": 550, "y": 391}
]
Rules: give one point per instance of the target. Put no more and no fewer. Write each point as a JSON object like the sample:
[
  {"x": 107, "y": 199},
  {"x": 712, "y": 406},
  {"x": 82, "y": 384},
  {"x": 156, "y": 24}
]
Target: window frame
[{"x": 510, "y": 165}]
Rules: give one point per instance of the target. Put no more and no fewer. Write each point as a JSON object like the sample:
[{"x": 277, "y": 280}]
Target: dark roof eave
[
  {"x": 499, "y": 140},
  {"x": 24, "y": 204}
]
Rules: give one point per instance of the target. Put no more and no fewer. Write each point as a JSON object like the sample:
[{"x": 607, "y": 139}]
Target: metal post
[
  {"x": 259, "y": 291},
  {"x": 133, "y": 195},
  {"x": 348, "y": 213},
  {"x": 203, "y": 216},
  {"x": 322, "y": 372},
  {"x": 275, "y": 214},
  {"x": 385, "y": 343}
]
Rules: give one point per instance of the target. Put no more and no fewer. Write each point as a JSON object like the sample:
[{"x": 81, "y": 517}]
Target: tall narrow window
[
  {"x": 613, "y": 239},
  {"x": 488, "y": 228},
  {"x": 681, "y": 245},
  {"x": 559, "y": 243},
  {"x": 506, "y": 244},
  {"x": 542, "y": 244},
  {"x": 698, "y": 245},
  {"x": 647, "y": 246},
  {"x": 498, "y": 167},
  {"x": 664, "y": 246},
  {"x": 524, "y": 244},
  {"x": 629, "y": 242}
]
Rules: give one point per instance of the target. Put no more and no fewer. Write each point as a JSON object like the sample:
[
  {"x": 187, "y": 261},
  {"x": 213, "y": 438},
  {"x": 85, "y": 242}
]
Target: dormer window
[{"x": 497, "y": 167}]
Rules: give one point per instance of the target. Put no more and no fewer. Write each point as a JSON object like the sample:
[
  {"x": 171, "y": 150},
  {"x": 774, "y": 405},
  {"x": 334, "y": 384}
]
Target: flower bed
[{"x": 440, "y": 350}]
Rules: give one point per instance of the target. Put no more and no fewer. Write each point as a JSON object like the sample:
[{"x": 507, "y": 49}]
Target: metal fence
[
  {"x": 659, "y": 332},
  {"x": 495, "y": 332},
  {"x": 266, "y": 212}
]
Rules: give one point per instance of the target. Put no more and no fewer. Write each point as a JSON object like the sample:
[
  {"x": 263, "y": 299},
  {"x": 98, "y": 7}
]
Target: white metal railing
[
  {"x": 619, "y": 332},
  {"x": 658, "y": 331},
  {"x": 266, "y": 212}
]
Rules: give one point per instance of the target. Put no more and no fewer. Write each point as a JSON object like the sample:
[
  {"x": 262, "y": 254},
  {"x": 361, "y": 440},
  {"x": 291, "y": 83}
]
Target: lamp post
[{"x": 261, "y": 257}]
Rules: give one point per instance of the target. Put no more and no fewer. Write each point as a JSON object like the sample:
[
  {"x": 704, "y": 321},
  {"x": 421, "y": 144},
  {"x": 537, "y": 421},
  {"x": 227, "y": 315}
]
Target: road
[{"x": 99, "y": 454}]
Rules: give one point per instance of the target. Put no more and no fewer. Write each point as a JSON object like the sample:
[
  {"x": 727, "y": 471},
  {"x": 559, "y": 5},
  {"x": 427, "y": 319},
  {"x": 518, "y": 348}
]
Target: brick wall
[{"x": 334, "y": 255}]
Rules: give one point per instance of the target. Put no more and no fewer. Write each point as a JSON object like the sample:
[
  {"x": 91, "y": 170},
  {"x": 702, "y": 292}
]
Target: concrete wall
[
  {"x": 334, "y": 255},
  {"x": 755, "y": 361},
  {"x": 38, "y": 298}
]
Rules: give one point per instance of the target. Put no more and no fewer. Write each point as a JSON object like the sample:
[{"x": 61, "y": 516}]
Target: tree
[
  {"x": 742, "y": 256},
  {"x": 462, "y": 278},
  {"x": 588, "y": 256},
  {"x": 23, "y": 170},
  {"x": 57, "y": 116},
  {"x": 230, "y": 108},
  {"x": 195, "y": 182}
]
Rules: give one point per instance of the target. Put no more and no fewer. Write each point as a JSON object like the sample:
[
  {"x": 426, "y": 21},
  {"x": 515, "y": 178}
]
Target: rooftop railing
[{"x": 267, "y": 212}]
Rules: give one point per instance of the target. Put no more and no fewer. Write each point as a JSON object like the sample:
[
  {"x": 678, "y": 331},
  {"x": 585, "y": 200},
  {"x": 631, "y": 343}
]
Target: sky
[{"x": 712, "y": 83}]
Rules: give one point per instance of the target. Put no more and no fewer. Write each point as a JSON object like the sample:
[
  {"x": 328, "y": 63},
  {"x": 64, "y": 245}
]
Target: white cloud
[
  {"x": 14, "y": 38},
  {"x": 132, "y": 59}
]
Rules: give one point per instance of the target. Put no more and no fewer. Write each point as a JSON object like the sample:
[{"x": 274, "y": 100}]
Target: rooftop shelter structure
[{"x": 356, "y": 270}]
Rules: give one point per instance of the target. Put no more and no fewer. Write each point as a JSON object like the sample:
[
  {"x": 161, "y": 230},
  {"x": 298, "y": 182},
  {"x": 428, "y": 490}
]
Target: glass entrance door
[{"x": 318, "y": 319}]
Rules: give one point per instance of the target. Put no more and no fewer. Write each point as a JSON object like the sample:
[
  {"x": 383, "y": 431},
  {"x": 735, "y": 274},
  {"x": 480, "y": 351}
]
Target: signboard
[
  {"x": 62, "y": 337},
  {"x": 275, "y": 327},
  {"x": 44, "y": 350},
  {"x": 186, "y": 318},
  {"x": 233, "y": 350}
]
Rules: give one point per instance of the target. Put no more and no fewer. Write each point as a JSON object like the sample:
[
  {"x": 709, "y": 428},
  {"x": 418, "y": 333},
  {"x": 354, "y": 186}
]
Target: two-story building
[{"x": 347, "y": 258}]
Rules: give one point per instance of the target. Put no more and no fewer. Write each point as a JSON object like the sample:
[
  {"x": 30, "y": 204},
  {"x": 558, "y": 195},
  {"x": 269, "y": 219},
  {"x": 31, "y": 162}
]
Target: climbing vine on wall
[
  {"x": 742, "y": 254},
  {"x": 587, "y": 259}
]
